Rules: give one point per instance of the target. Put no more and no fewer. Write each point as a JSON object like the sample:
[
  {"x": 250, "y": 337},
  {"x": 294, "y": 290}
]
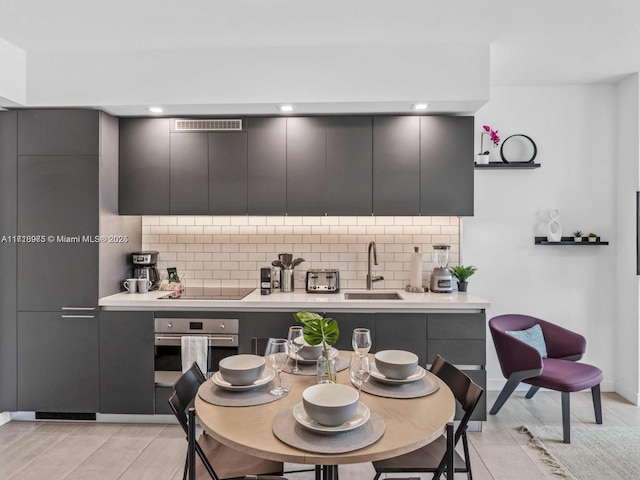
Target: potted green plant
[
  {"x": 577, "y": 236},
  {"x": 462, "y": 273},
  {"x": 593, "y": 237},
  {"x": 319, "y": 330}
]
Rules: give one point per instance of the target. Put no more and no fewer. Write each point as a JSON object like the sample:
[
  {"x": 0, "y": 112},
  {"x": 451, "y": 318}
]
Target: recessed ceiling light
[
  {"x": 156, "y": 109},
  {"x": 419, "y": 106},
  {"x": 285, "y": 108}
]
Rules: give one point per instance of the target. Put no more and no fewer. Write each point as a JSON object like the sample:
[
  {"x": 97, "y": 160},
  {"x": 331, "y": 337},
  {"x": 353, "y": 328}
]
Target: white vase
[
  {"x": 482, "y": 159},
  {"x": 554, "y": 229}
]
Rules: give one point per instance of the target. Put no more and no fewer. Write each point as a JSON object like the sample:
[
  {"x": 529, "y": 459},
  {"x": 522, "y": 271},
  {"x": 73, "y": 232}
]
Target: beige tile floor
[{"x": 102, "y": 451}]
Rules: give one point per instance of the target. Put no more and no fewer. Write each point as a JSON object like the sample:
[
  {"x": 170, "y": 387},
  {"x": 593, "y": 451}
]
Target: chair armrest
[
  {"x": 515, "y": 355},
  {"x": 562, "y": 342}
]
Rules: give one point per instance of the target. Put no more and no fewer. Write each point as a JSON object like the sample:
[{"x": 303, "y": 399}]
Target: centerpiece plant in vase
[
  {"x": 462, "y": 273},
  {"x": 482, "y": 158},
  {"x": 319, "y": 330}
]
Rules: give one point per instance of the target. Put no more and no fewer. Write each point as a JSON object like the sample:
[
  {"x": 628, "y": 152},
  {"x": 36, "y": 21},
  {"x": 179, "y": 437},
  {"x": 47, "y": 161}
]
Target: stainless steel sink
[{"x": 372, "y": 296}]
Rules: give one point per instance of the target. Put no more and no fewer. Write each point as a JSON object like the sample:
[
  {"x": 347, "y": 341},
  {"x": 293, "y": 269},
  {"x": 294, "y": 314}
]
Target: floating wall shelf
[
  {"x": 569, "y": 241},
  {"x": 506, "y": 166}
]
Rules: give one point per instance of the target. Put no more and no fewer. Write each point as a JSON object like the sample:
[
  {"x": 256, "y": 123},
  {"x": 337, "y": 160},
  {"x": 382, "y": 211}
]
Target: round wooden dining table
[{"x": 409, "y": 424}]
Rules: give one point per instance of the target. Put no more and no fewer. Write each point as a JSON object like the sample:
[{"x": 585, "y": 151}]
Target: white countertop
[{"x": 300, "y": 300}]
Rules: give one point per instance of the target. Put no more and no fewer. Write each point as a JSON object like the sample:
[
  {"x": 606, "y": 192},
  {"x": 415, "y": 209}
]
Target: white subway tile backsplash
[{"x": 229, "y": 250}]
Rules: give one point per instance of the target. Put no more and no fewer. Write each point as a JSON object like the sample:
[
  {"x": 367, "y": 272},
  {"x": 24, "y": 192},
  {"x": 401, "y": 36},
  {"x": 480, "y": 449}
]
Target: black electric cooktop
[{"x": 207, "y": 293}]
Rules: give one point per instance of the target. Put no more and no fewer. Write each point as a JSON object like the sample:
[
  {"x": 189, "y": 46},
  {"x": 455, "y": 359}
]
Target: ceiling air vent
[{"x": 204, "y": 125}]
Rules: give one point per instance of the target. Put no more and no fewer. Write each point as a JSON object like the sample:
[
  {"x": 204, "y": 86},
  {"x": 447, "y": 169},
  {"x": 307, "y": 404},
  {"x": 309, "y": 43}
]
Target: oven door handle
[{"x": 212, "y": 340}]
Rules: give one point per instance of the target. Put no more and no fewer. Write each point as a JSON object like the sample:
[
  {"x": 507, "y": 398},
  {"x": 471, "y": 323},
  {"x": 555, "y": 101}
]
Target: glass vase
[{"x": 326, "y": 368}]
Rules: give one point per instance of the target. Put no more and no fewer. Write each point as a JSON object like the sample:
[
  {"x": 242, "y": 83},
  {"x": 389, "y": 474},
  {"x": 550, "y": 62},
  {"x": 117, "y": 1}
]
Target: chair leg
[
  {"x": 186, "y": 467},
  {"x": 566, "y": 418},
  {"x": 532, "y": 391},
  {"x": 597, "y": 403},
  {"x": 506, "y": 392},
  {"x": 467, "y": 460},
  {"x": 191, "y": 438}
]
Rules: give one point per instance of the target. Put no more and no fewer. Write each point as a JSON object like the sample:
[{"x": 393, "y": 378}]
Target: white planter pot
[
  {"x": 482, "y": 159},
  {"x": 593, "y": 239},
  {"x": 577, "y": 239}
]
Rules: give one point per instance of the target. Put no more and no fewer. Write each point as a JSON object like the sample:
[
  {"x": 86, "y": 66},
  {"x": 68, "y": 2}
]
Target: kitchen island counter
[{"x": 296, "y": 301}]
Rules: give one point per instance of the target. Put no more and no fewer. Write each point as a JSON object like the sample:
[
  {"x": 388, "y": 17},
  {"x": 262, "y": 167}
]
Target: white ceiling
[{"x": 531, "y": 43}]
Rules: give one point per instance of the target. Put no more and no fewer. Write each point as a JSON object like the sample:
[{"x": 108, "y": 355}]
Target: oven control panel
[{"x": 196, "y": 326}]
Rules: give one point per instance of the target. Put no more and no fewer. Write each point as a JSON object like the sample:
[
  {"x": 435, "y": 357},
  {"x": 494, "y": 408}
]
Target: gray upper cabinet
[
  {"x": 267, "y": 161},
  {"x": 58, "y": 198},
  {"x": 144, "y": 183},
  {"x": 227, "y": 173},
  {"x": 8, "y": 263},
  {"x": 446, "y": 166},
  {"x": 306, "y": 166},
  {"x": 349, "y": 165},
  {"x": 58, "y": 132},
  {"x": 189, "y": 183},
  {"x": 396, "y": 165}
]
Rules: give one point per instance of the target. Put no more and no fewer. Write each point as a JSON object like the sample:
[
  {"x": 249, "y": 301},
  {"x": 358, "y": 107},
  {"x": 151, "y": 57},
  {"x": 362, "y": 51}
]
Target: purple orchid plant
[{"x": 493, "y": 135}]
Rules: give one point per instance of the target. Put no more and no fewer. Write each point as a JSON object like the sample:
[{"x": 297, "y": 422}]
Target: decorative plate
[
  {"x": 360, "y": 418},
  {"x": 267, "y": 376},
  {"x": 375, "y": 373}
]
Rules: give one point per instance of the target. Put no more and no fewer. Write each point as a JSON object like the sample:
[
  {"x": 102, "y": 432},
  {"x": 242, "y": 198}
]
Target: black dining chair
[
  {"x": 440, "y": 456},
  {"x": 230, "y": 464}
]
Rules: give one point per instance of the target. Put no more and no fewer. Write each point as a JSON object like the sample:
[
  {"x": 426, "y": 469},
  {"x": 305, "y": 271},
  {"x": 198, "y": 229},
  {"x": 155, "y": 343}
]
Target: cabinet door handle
[
  {"x": 89, "y": 309},
  {"x": 78, "y": 316}
]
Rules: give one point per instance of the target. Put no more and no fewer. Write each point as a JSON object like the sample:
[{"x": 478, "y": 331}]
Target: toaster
[{"x": 323, "y": 280}]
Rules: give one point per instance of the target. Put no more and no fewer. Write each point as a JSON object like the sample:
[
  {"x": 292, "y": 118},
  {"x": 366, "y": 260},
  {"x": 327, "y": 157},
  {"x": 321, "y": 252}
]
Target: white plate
[
  {"x": 375, "y": 373},
  {"x": 332, "y": 353},
  {"x": 267, "y": 376},
  {"x": 360, "y": 418}
]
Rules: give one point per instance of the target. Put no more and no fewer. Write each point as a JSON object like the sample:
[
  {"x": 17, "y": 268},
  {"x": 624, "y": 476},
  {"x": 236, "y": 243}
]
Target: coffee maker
[{"x": 144, "y": 266}]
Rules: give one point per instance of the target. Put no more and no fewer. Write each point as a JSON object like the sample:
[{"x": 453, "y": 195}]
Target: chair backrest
[
  {"x": 185, "y": 390},
  {"x": 465, "y": 390}
]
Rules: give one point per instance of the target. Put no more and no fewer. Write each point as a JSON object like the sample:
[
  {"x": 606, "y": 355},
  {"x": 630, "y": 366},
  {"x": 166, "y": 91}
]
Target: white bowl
[
  {"x": 330, "y": 404},
  {"x": 308, "y": 352},
  {"x": 241, "y": 369},
  {"x": 396, "y": 364}
]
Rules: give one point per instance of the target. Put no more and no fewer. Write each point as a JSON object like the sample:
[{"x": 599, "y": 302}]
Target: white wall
[
  {"x": 13, "y": 74},
  {"x": 573, "y": 286},
  {"x": 628, "y": 141}
]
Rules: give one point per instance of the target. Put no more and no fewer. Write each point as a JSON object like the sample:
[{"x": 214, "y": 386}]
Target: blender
[{"x": 441, "y": 281}]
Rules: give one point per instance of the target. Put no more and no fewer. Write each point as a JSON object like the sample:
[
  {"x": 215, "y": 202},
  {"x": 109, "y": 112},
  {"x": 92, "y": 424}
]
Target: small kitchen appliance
[
  {"x": 144, "y": 266},
  {"x": 266, "y": 281},
  {"x": 441, "y": 281},
  {"x": 323, "y": 280}
]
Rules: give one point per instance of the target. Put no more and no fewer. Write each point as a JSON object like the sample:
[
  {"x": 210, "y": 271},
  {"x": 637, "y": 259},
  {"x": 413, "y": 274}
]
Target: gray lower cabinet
[
  {"x": 306, "y": 166},
  {"x": 58, "y": 362},
  {"x": 396, "y": 165},
  {"x": 402, "y": 331},
  {"x": 228, "y": 173},
  {"x": 263, "y": 325},
  {"x": 446, "y": 169},
  {"x": 58, "y": 204},
  {"x": 349, "y": 166},
  {"x": 347, "y": 322},
  {"x": 144, "y": 174},
  {"x": 189, "y": 182},
  {"x": 8, "y": 261},
  {"x": 267, "y": 166},
  {"x": 126, "y": 362}
]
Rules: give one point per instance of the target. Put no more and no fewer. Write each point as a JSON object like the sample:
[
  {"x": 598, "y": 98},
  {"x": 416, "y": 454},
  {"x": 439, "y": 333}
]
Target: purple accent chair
[{"x": 560, "y": 371}]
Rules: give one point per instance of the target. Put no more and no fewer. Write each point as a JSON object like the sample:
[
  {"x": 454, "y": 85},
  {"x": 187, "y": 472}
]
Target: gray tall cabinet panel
[
  {"x": 396, "y": 165},
  {"x": 189, "y": 184},
  {"x": 267, "y": 158},
  {"x": 144, "y": 176},
  {"x": 227, "y": 173},
  {"x": 57, "y": 362},
  {"x": 8, "y": 263},
  {"x": 349, "y": 166},
  {"x": 57, "y": 198},
  {"x": 446, "y": 168},
  {"x": 306, "y": 166}
]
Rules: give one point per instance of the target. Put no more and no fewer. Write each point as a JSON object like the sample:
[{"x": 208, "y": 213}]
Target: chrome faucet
[{"x": 370, "y": 279}]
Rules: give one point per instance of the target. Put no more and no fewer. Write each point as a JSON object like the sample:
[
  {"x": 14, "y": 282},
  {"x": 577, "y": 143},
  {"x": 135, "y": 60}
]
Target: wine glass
[
  {"x": 294, "y": 332},
  {"x": 279, "y": 355},
  {"x": 359, "y": 369},
  {"x": 361, "y": 341}
]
